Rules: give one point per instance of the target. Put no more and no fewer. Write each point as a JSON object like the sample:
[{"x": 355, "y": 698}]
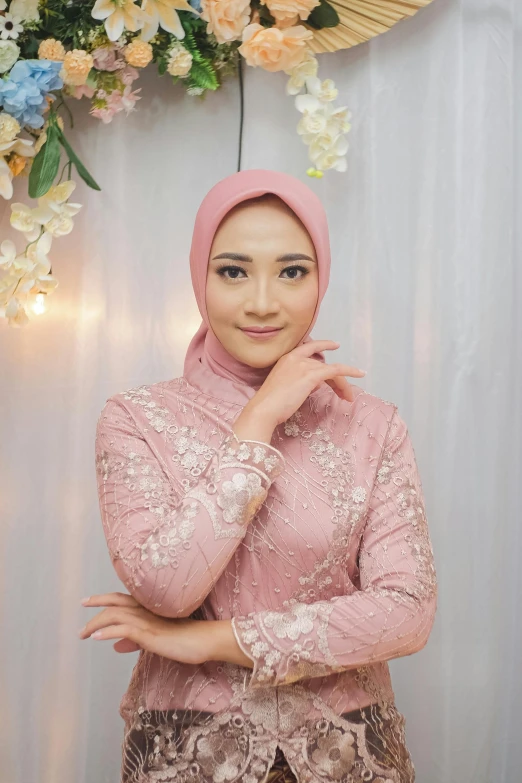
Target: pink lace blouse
[{"x": 316, "y": 546}]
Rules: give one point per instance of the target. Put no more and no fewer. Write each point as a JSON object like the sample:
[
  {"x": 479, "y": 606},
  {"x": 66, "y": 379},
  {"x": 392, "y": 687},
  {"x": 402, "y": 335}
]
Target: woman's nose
[{"x": 262, "y": 300}]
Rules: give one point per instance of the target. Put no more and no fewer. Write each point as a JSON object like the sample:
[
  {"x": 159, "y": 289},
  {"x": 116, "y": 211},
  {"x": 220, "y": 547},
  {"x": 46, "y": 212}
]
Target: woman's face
[{"x": 262, "y": 272}]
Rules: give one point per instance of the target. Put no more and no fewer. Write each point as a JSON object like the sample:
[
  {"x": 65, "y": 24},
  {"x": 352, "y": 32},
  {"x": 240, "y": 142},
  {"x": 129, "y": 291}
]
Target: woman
[{"x": 267, "y": 519}]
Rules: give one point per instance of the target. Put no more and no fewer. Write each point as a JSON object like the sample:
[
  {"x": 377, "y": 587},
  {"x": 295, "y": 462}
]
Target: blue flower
[{"x": 23, "y": 93}]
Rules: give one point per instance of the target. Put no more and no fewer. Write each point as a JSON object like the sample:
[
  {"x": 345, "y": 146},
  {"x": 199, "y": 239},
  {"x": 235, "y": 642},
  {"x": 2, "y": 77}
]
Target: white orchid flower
[
  {"x": 330, "y": 157},
  {"x": 299, "y": 73},
  {"x": 119, "y": 15},
  {"x": 6, "y": 180},
  {"x": 163, "y": 13},
  {"x": 7, "y": 254},
  {"x": 15, "y": 313},
  {"x": 53, "y": 212},
  {"x": 23, "y": 219}
]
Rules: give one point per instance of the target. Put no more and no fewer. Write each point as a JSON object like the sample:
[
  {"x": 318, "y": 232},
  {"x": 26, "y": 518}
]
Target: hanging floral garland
[{"x": 54, "y": 50}]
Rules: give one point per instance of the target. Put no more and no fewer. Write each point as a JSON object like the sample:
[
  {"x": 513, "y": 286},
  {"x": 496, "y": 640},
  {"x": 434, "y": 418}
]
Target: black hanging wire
[{"x": 241, "y": 109}]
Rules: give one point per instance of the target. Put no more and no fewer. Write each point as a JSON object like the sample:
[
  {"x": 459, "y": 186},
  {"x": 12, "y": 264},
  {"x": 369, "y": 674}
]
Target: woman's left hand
[{"x": 182, "y": 639}]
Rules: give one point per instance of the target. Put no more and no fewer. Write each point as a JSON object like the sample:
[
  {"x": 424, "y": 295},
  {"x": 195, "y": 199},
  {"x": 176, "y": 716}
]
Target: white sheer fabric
[{"x": 425, "y": 294}]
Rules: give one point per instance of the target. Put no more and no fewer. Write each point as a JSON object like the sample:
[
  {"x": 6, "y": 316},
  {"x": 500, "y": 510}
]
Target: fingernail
[
  {"x": 363, "y": 371},
  {"x": 97, "y": 635},
  {"x": 80, "y": 632},
  {"x": 85, "y": 600}
]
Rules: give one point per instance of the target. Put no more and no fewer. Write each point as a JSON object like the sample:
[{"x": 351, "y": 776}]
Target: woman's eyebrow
[{"x": 285, "y": 257}]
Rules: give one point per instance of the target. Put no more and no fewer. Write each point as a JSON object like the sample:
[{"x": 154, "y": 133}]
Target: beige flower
[
  {"x": 180, "y": 62},
  {"x": 335, "y": 754},
  {"x": 9, "y": 128},
  {"x": 119, "y": 15},
  {"x": 226, "y": 18},
  {"x": 138, "y": 53},
  {"x": 274, "y": 49},
  {"x": 51, "y": 49},
  {"x": 164, "y": 14},
  {"x": 289, "y": 9},
  {"x": 76, "y": 67}
]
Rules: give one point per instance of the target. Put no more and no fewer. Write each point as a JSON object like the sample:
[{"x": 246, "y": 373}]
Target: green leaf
[
  {"x": 73, "y": 157},
  {"x": 45, "y": 165},
  {"x": 323, "y": 15}
]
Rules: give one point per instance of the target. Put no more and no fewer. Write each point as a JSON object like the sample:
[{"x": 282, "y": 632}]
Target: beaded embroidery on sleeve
[{"x": 169, "y": 550}]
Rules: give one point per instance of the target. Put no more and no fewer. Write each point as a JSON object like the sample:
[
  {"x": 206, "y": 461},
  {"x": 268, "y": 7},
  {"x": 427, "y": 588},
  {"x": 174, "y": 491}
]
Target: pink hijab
[{"x": 206, "y": 359}]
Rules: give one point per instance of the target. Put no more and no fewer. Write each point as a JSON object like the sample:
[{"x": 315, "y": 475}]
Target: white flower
[
  {"x": 53, "y": 213},
  {"x": 8, "y": 254},
  {"x": 3, "y": 5},
  {"x": 6, "y": 180},
  {"x": 15, "y": 313},
  {"x": 9, "y": 52},
  {"x": 163, "y": 13},
  {"x": 10, "y": 26},
  {"x": 324, "y": 90},
  {"x": 298, "y": 74},
  {"x": 330, "y": 157},
  {"x": 23, "y": 219},
  {"x": 119, "y": 15},
  {"x": 27, "y": 10}
]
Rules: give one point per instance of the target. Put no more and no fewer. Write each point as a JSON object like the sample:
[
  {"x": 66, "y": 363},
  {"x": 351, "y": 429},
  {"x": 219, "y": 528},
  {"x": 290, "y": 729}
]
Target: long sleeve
[
  {"x": 393, "y": 612},
  {"x": 169, "y": 546}
]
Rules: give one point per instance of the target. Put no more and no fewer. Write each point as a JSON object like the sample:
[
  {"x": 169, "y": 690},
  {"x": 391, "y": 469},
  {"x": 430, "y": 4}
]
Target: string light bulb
[{"x": 39, "y": 306}]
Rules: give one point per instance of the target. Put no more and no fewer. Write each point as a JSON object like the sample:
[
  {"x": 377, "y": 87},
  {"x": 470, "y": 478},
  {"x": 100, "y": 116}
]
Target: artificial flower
[
  {"x": 273, "y": 49},
  {"x": 51, "y": 49},
  {"x": 9, "y": 52},
  {"x": 226, "y": 19},
  {"x": 119, "y": 15},
  {"x": 23, "y": 219},
  {"x": 138, "y": 53},
  {"x": 282, "y": 10},
  {"x": 27, "y": 10},
  {"x": 9, "y": 128},
  {"x": 163, "y": 13},
  {"x": 10, "y": 26},
  {"x": 7, "y": 254},
  {"x": 299, "y": 73},
  {"x": 180, "y": 61},
  {"x": 23, "y": 93},
  {"x": 329, "y": 157},
  {"x": 108, "y": 58},
  {"x": 15, "y": 313},
  {"x": 76, "y": 67},
  {"x": 54, "y": 212}
]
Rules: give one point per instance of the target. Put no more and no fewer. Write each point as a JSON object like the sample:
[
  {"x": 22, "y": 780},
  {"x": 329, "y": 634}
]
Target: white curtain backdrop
[{"x": 426, "y": 295}]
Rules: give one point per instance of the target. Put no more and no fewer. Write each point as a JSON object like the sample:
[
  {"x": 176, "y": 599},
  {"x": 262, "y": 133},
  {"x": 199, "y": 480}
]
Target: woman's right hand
[{"x": 294, "y": 376}]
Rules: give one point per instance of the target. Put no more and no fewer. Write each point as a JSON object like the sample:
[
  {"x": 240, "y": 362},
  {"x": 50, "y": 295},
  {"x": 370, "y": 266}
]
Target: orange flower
[
  {"x": 50, "y": 49},
  {"x": 274, "y": 49},
  {"x": 290, "y": 9},
  {"x": 138, "y": 53},
  {"x": 226, "y": 18},
  {"x": 16, "y": 164}
]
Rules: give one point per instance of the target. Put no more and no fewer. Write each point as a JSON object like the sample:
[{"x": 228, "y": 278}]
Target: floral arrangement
[{"x": 55, "y": 50}]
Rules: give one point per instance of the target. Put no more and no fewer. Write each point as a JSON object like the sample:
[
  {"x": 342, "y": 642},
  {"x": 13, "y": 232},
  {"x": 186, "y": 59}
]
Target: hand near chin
[{"x": 136, "y": 628}]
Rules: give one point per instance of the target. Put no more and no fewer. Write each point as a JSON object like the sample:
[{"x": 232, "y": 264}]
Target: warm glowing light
[{"x": 39, "y": 305}]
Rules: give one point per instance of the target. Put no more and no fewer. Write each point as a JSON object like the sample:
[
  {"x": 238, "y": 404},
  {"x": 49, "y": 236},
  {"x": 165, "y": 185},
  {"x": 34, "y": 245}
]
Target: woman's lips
[{"x": 261, "y": 335}]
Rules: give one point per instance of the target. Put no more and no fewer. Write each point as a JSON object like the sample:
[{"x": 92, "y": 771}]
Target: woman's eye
[
  {"x": 222, "y": 269},
  {"x": 302, "y": 269},
  {"x": 232, "y": 272}
]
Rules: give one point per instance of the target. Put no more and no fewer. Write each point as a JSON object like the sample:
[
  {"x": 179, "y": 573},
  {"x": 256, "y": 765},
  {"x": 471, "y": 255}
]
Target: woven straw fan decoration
[{"x": 361, "y": 20}]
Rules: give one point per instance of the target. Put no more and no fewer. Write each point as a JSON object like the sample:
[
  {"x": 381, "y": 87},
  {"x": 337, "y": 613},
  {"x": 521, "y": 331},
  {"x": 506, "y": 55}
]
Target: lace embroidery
[{"x": 201, "y": 724}]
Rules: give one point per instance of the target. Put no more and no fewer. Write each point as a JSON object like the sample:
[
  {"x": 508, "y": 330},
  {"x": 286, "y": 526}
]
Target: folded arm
[
  {"x": 170, "y": 547},
  {"x": 393, "y": 612}
]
